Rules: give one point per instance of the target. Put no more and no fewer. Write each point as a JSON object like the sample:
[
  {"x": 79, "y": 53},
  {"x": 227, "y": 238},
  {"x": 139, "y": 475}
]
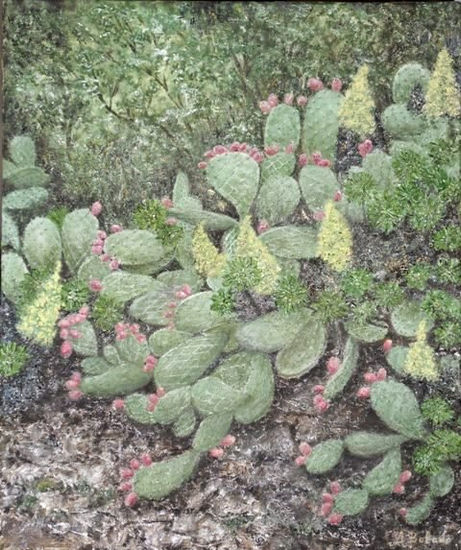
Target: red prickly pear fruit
[
  {"x": 243, "y": 147},
  {"x": 403, "y": 512},
  {"x": 64, "y": 323},
  {"x": 381, "y": 374},
  {"x": 114, "y": 264},
  {"x": 405, "y": 476},
  {"x": 234, "y": 147},
  {"x": 324, "y": 162},
  {"x": 289, "y": 148},
  {"x": 370, "y": 377},
  {"x": 96, "y": 250},
  {"x": 102, "y": 235},
  {"x": 126, "y": 486},
  {"x": 115, "y": 228},
  {"x": 300, "y": 460},
  {"x": 333, "y": 365},
  {"x": 135, "y": 464},
  {"x": 227, "y": 441},
  {"x": 146, "y": 460},
  {"x": 265, "y": 107},
  {"x": 387, "y": 345},
  {"x": 302, "y": 160},
  {"x": 363, "y": 393},
  {"x": 172, "y": 305},
  {"x": 365, "y": 148},
  {"x": 75, "y": 334},
  {"x": 335, "y": 519},
  {"x": 318, "y": 388},
  {"x": 326, "y": 509},
  {"x": 305, "y": 449},
  {"x": 66, "y": 349},
  {"x": 76, "y": 376},
  {"x": 288, "y": 99},
  {"x": 171, "y": 221},
  {"x": 78, "y": 318},
  {"x": 151, "y": 406},
  {"x": 75, "y": 395},
  {"x": 328, "y": 497},
  {"x": 335, "y": 487},
  {"x": 271, "y": 150},
  {"x": 95, "y": 285},
  {"x": 337, "y": 196},
  {"x": 262, "y": 226},
  {"x": 220, "y": 149},
  {"x": 257, "y": 157},
  {"x": 118, "y": 404},
  {"x": 105, "y": 258},
  {"x": 131, "y": 499},
  {"x": 316, "y": 157},
  {"x": 64, "y": 333},
  {"x": 398, "y": 488},
  {"x": 186, "y": 289},
  {"x": 153, "y": 398},
  {"x": 314, "y": 84},
  {"x": 96, "y": 208},
  {"x": 168, "y": 314},
  {"x": 202, "y": 165},
  {"x": 273, "y": 100},
  {"x": 167, "y": 202},
  {"x": 216, "y": 452},
  {"x": 71, "y": 385},
  {"x": 336, "y": 85},
  {"x": 320, "y": 403},
  {"x": 126, "y": 473},
  {"x": 140, "y": 338},
  {"x": 161, "y": 392},
  {"x": 84, "y": 310},
  {"x": 148, "y": 367},
  {"x": 301, "y": 101},
  {"x": 151, "y": 360}
]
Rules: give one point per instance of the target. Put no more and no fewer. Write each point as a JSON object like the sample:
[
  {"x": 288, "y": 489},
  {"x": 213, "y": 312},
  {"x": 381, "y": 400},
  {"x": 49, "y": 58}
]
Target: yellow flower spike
[
  {"x": 209, "y": 262},
  {"x": 356, "y": 112},
  {"x": 442, "y": 96},
  {"x": 420, "y": 362},
  {"x": 334, "y": 243}
]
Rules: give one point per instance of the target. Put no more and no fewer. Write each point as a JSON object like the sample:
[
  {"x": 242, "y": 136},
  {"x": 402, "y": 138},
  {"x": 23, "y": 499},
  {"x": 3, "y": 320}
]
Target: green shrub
[
  {"x": 106, "y": 312},
  {"x": 290, "y": 294},
  {"x": 75, "y": 293},
  {"x": 12, "y": 358}
]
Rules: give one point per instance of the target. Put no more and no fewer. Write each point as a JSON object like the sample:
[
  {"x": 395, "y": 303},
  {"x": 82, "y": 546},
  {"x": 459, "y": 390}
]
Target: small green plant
[
  {"x": 447, "y": 239},
  {"x": 448, "y": 334},
  {"x": 75, "y": 293},
  {"x": 356, "y": 282},
  {"x": 388, "y": 295},
  {"x": 418, "y": 275},
  {"x": 106, "y": 312},
  {"x": 223, "y": 301},
  {"x": 448, "y": 270},
  {"x": 57, "y": 215},
  {"x": 330, "y": 305},
  {"x": 441, "y": 305},
  {"x": 437, "y": 411},
  {"x": 442, "y": 445},
  {"x": 290, "y": 295},
  {"x": 241, "y": 274},
  {"x": 12, "y": 358},
  {"x": 153, "y": 216}
]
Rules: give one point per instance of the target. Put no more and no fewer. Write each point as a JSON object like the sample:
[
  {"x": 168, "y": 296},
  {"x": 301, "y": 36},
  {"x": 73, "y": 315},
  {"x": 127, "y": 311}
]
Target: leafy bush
[{"x": 12, "y": 358}]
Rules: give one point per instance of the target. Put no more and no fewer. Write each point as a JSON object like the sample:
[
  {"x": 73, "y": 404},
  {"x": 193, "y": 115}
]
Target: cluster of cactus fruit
[
  {"x": 396, "y": 405},
  {"x": 200, "y": 368}
]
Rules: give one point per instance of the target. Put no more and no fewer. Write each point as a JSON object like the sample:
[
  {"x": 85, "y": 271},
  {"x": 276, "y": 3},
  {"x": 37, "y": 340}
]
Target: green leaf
[
  {"x": 406, "y": 318},
  {"x": 283, "y": 127},
  {"x": 78, "y": 232},
  {"x": 366, "y": 444},
  {"x": 87, "y": 343},
  {"x": 318, "y": 185},
  {"x": 123, "y": 286},
  {"x": 351, "y": 502},
  {"x": 14, "y": 271},
  {"x": 25, "y": 199},
  {"x": 325, "y": 456},
  {"x": 211, "y": 395},
  {"x": 341, "y": 377},
  {"x": 291, "y": 241},
  {"x": 194, "y": 314},
  {"x": 134, "y": 247},
  {"x": 10, "y": 233},
  {"x": 277, "y": 199},
  {"x": 441, "y": 483},
  {"x": 366, "y": 332},
  {"x": 397, "y": 357},
  {"x": 165, "y": 339},
  {"x": 42, "y": 243},
  {"x": 22, "y": 151},
  {"x": 211, "y": 431},
  {"x": 382, "y": 479}
]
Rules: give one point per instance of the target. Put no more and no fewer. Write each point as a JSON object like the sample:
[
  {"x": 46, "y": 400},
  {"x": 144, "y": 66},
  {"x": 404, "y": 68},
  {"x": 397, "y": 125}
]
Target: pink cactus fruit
[
  {"x": 243, "y": 147},
  {"x": 114, "y": 264},
  {"x": 64, "y": 323},
  {"x": 326, "y": 509},
  {"x": 220, "y": 149},
  {"x": 75, "y": 395},
  {"x": 327, "y": 497},
  {"x": 405, "y": 476},
  {"x": 161, "y": 392},
  {"x": 126, "y": 473},
  {"x": 118, "y": 404},
  {"x": 171, "y": 221},
  {"x": 227, "y": 441},
  {"x": 288, "y": 99},
  {"x": 335, "y": 488},
  {"x": 314, "y": 84},
  {"x": 370, "y": 377},
  {"x": 96, "y": 249},
  {"x": 64, "y": 334},
  {"x": 76, "y": 376},
  {"x": 146, "y": 459},
  {"x": 265, "y": 107},
  {"x": 319, "y": 388},
  {"x": 66, "y": 349},
  {"x": 320, "y": 404},
  {"x": 300, "y": 460},
  {"x": 338, "y": 196},
  {"x": 324, "y": 162},
  {"x": 216, "y": 452},
  {"x": 167, "y": 202},
  {"x": 95, "y": 285},
  {"x": 302, "y": 160},
  {"x": 333, "y": 365},
  {"x": 75, "y": 334},
  {"x": 305, "y": 449},
  {"x": 381, "y": 374},
  {"x": 135, "y": 464},
  {"x": 126, "y": 486},
  {"x": 115, "y": 228},
  {"x": 403, "y": 512},
  {"x": 336, "y": 85},
  {"x": 273, "y": 100},
  {"x": 131, "y": 499},
  {"x": 85, "y": 311},
  {"x": 398, "y": 488},
  {"x": 234, "y": 147},
  {"x": 335, "y": 519},
  {"x": 262, "y": 226},
  {"x": 301, "y": 101},
  {"x": 202, "y": 165},
  {"x": 363, "y": 392},
  {"x": 387, "y": 345},
  {"x": 289, "y": 148},
  {"x": 365, "y": 148},
  {"x": 71, "y": 385},
  {"x": 96, "y": 208},
  {"x": 316, "y": 157},
  {"x": 271, "y": 150}
]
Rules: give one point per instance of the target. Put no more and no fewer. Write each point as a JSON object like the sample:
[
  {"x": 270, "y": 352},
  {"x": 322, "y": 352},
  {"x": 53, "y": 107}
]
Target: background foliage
[{"x": 119, "y": 95}]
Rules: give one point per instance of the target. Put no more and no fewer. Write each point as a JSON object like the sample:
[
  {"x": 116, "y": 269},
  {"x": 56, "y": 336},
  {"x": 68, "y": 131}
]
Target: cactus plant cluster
[{"x": 396, "y": 406}]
